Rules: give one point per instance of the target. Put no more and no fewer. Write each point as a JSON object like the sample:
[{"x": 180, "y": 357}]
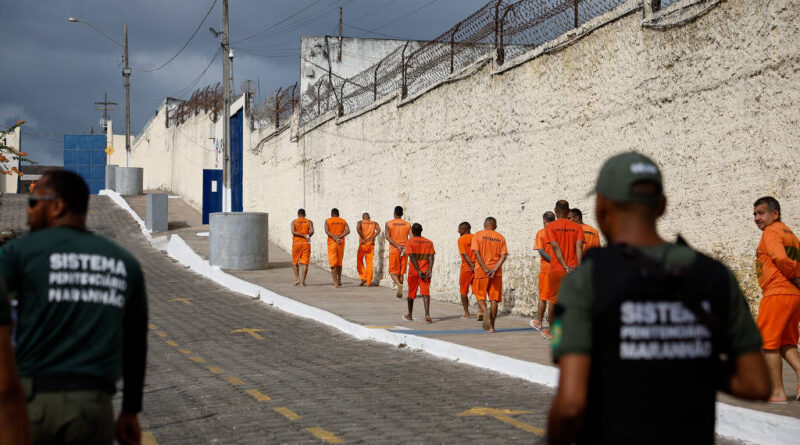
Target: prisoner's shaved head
[
  {"x": 490, "y": 223},
  {"x": 562, "y": 208}
]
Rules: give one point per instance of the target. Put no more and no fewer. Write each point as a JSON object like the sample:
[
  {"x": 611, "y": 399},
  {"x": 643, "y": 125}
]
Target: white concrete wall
[
  {"x": 9, "y": 183},
  {"x": 117, "y": 142},
  {"x": 714, "y": 102},
  {"x": 174, "y": 158}
]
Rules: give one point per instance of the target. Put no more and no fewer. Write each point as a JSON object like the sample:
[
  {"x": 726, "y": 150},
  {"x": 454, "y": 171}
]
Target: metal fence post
[
  {"x": 656, "y": 4},
  {"x": 375, "y": 81},
  {"x": 576, "y": 13},
  {"x": 277, "y": 108},
  {"x": 404, "y": 89},
  {"x": 453, "y": 46}
]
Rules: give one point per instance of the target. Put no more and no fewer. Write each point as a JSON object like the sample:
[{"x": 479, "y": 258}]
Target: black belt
[{"x": 56, "y": 383}]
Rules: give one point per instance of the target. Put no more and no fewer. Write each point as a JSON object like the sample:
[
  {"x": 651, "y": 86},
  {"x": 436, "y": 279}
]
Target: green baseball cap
[{"x": 622, "y": 171}]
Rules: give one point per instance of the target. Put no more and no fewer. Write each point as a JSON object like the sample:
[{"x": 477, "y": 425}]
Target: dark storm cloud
[{"x": 52, "y": 71}]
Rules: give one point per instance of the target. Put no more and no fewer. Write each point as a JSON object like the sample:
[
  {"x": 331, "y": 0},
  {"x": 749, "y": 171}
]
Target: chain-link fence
[{"x": 505, "y": 27}]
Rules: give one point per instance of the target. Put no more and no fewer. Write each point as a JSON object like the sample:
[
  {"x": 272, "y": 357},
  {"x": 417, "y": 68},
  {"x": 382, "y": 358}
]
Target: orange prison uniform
[
  {"x": 336, "y": 226},
  {"x": 566, "y": 233},
  {"x": 467, "y": 275},
  {"x": 301, "y": 248},
  {"x": 398, "y": 232},
  {"x": 366, "y": 251},
  {"x": 491, "y": 245},
  {"x": 422, "y": 249},
  {"x": 777, "y": 263},
  {"x": 544, "y": 267},
  {"x": 591, "y": 237}
]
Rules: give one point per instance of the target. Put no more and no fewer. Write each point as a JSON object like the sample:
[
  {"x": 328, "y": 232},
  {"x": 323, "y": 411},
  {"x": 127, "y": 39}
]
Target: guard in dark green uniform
[
  {"x": 13, "y": 415},
  {"x": 647, "y": 331},
  {"x": 82, "y": 322}
]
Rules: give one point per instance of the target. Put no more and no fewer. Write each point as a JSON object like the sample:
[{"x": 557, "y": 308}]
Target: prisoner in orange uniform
[
  {"x": 546, "y": 255},
  {"x": 367, "y": 230},
  {"x": 302, "y": 231},
  {"x": 337, "y": 229},
  {"x": 778, "y": 272},
  {"x": 396, "y": 233},
  {"x": 490, "y": 254},
  {"x": 420, "y": 254},
  {"x": 467, "y": 274},
  {"x": 590, "y": 234},
  {"x": 566, "y": 239}
]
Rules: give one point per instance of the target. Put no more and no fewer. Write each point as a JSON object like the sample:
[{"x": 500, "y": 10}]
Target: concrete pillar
[
  {"x": 111, "y": 177},
  {"x": 129, "y": 180},
  {"x": 239, "y": 240},
  {"x": 157, "y": 206}
]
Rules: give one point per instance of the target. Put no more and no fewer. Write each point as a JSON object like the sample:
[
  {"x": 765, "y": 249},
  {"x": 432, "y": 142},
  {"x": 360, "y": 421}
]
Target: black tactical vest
[{"x": 658, "y": 349}]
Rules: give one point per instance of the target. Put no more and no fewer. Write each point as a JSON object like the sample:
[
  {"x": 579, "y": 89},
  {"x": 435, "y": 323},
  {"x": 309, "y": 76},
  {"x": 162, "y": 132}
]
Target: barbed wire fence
[{"x": 505, "y": 28}]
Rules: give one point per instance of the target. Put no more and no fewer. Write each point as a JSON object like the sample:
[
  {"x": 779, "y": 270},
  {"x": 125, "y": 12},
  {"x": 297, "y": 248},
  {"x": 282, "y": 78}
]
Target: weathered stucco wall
[
  {"x": 714, "y": 102},
  {"x": 174, "y": 158}
]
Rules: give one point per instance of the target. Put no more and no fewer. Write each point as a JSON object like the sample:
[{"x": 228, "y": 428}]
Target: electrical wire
[
  {"x": 194, "y": 82},
  {"x": 187, "y": 41},
  {"x": 402, "y": 17},
  {"x": 390, "y": 2},
  {"x": 292, "y": 27},
  {"x": 278, "y": 23},
  {"x": 41, "y": 137},
  {"x": 373, "y": 32}
]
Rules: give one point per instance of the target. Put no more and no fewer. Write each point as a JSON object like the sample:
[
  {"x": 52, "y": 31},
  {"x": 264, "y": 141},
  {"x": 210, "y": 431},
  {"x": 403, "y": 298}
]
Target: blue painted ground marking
[{"x": 457, "y": 331}]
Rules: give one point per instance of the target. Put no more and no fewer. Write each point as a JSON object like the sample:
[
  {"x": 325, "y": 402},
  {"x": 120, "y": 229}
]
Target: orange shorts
[
  {"x": 397, "y": 263},
  {"x": 414, "y": 282},
  {"x": 301, "y": 253},
  {"x": 491, "y": 286},
  {"x": 554, "y": 279},
  {"x": 335, "y": 254},
  {"x": 778, "y": 319},
  {"x": 465, "y": 281},
  {"x": 544, "y": 286}
]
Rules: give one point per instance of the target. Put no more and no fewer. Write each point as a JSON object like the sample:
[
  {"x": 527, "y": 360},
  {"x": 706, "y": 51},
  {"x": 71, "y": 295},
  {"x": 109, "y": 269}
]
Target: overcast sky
[{"x": 52, "y": 71}]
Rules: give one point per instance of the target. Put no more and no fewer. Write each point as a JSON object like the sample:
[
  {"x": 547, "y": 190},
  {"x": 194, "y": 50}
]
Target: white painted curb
[{"x": 732, "y": 421}]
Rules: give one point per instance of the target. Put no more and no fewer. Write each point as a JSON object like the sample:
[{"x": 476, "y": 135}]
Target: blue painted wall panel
[
  {"x": 212, "y": 192},
  {"x": 236, "y": 162},
  {"x": 85, "y": 155}
]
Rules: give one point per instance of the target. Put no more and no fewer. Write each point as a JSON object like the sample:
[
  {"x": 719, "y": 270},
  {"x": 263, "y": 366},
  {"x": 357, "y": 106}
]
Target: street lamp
[{"x": 126, "y": 77}]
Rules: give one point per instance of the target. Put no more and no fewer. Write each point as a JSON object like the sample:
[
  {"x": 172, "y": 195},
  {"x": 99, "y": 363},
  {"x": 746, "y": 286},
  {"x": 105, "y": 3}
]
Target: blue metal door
[
  {"x": 212, "y": 192},
  {"x": 236, "y": 161},
  {"x": 85, "y": 155}
]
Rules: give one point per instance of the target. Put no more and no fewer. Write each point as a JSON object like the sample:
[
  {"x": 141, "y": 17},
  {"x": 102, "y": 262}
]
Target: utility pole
[
  {"x": 126, "y": 74},
  {"x": 226, "y": 114},
  {"x": 105, "y": 106},
  {"x": 339, "y": 57}
]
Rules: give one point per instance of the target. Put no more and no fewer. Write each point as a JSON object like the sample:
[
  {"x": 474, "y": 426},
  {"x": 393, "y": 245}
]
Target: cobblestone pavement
[{"x": 296, "y": 381}]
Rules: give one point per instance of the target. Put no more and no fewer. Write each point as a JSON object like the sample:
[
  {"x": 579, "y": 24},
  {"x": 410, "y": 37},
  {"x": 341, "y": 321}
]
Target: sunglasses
[{"x": 34, "y": 199}]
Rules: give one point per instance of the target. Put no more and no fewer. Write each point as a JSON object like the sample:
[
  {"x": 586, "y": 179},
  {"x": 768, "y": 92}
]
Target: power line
[
  {"x": 376, "y": 33},
  {"x": 307, "y": 21},
  {"x": 194, "y": 82},
  {"x": 187, "y": 42},
  {"x": 278, "y": 23},
  {"x": 401, "y": 18},
  {"x": 42, "y": 137},
  {"x": 390, "y": 2}
]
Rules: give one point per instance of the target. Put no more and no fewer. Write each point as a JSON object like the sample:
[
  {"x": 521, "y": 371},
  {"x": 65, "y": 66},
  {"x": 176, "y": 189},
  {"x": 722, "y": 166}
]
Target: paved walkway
[{"x": 379, "y": 308}]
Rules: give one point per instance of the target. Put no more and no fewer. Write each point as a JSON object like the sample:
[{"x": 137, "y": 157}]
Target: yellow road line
[
  {"x": 197, "y": 359},
  {"x": 234, "y": 380},
  {"x": 185, "y": 351},
  {"x": 161, "y": 334},
  {"x": 215, "y": 369},
  {"x": 324, "y": 435},
  {"x": 172, "y": 343},
  {"x": 286, "y": 412},
  {"x": 148, "y": 438},
  {"x": 258, "y": 395},
  {"x": 152, "y": 326}
]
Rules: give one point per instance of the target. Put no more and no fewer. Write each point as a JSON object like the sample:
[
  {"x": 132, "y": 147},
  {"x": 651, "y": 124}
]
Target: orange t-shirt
[
  {"x": 465, "y": 248},
  {"x": 336, "y": 226},
  {"x": 420, "y": 249},
  {"x": 491, "y": 245},
  {"x": 301, "y": 225},
  {"x": 591, "y": 237},
  {"x": 539, "y": 243},
  {"x": 398, "y": 232},
  {"x": 565, "y": 233},
  {"x": 368, "y": 229},
  {"x": 778, "y": 260}
]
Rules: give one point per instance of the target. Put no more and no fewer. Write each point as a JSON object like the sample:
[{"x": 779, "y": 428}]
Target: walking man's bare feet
[
  {"x": 363, "y": 282},
  {"x": 296, "y": 283},
  {"x": 407, "y": 317}
]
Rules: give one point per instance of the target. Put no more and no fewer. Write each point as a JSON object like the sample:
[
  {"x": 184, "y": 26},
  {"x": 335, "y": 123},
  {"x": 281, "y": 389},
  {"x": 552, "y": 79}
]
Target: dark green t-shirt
[
  {"x": 5, "y": 306},
  {"x": 572, "y": 330},
  {"x": 78, "y": 295}
]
